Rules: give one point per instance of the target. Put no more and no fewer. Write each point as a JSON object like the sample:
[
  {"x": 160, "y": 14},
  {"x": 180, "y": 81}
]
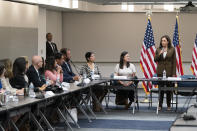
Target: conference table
[
  {"x": 163, "y": 87},
  {"x": 26, "y": 104},
  {"x": 34, "y": 106}
]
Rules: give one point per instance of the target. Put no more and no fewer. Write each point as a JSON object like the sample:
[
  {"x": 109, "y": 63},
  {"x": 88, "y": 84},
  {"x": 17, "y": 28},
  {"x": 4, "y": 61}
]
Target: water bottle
[
  {"x": 164, "y": 74},
  {"x": 84, "y": 75},
  {"x": 47, "y": 81},
  {"x": 15, "y": 97},
  {"x": 92, "y": 75},
  {"x": 26, "y": 90},
  {"x": 31, "y": 91},
  {"x": 58, "y": 83}
]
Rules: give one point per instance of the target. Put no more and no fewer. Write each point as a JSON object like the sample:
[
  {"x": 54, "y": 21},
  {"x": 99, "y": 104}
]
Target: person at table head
[
  {"x": 165, "y": 56},
  {"x": 52, "y": 71},
  {"x": 90, "y": 68},
  {"x": 51, "y": 47},
  {"x": 69, "y": 76},
  {"x": 19, "y": 80},
  {"x": 6, "y": 84},
  {"x": 34, "y": 75},
  {"x": 125, "y": 68}
]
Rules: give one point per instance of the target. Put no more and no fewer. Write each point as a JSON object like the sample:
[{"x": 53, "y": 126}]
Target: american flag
[
  {"x": 176, "y": 43},
  {"x": 147, "y": 63},
  {"x": 194, "y": 59}
]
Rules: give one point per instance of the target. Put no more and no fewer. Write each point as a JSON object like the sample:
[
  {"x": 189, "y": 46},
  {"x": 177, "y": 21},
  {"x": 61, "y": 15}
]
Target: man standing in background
[{"x": 51, "y": 48}]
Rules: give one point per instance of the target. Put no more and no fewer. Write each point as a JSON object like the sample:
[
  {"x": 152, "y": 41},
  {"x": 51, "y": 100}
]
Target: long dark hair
[
  {"x": 19, "y": 66},
  {"x": 42, "y": 69},
  {"x": 168, "y": 39},
  {"x": 50, "y": 64},
  {"x": 122, "y": 60}
]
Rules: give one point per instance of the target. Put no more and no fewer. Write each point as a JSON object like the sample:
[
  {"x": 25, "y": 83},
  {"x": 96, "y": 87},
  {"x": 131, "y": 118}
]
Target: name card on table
[
  {"x": 120, "y": 77},
  {"x": 65, "y": 86},
  {"x": 174, "y": 78}
]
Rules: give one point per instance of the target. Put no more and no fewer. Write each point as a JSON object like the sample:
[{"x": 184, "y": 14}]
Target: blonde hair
[
  {"x": 8, "y": 68},
  {"x": 26, "y": 59}
]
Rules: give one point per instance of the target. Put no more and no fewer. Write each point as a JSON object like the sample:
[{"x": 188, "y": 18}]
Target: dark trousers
[
  {"x": 123, "y": 95},
  {"x": 100, "y": 92},
  {"x": 168, "y": 94},
  {"x": 168, "y": 98}
]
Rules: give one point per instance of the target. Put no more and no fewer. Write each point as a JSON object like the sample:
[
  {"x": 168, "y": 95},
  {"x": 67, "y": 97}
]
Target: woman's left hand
[{"x": 129, "y": 83}]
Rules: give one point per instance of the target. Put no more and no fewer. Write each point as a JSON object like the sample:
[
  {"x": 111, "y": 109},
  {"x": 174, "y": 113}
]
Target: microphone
[
  {"x": 75, "y": 67},
  {"x": 99, "y": 73}
]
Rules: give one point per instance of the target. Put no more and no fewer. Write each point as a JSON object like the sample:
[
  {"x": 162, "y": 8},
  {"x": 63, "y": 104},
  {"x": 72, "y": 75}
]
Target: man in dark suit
[
  {"x": 34, "y": 76},
  {"x": 68, "y": 75},
  {"x": 51, "y": 48}
]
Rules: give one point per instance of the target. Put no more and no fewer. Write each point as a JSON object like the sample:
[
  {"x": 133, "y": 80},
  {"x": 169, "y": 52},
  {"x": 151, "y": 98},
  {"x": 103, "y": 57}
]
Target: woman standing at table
[
  {"x": 90, "y": 69},
  {"x": 125, "y": 68},
  {"x": 165, "y": 56}
]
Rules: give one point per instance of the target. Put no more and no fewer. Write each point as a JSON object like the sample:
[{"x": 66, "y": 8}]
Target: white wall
[
  {"x": 54, "y": 25},
  {"x": 23, "y": 29},
  {"x": 18, "y": 15},
  {"x": 42, "y": 32},
  {"x": 18, "y": 30}
]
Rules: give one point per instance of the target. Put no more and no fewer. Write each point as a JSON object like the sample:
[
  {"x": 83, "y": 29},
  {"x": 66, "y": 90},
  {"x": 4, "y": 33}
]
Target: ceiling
[{"x": 144, "y": 2}]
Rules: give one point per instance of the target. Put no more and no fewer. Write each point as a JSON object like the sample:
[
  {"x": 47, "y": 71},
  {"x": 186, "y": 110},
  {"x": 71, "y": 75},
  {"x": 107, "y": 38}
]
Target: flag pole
[{"x": 148, "y": 14}]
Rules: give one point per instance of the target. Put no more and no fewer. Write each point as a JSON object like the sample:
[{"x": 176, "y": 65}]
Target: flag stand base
[{"x": 145, "y": 100}]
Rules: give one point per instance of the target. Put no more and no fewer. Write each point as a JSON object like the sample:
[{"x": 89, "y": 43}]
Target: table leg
[
  {"x": 46, "y": 121},
  {"x": 97, "y": 101},
  {"x": 67, "y": 111},
  {"x": 1, "y": 128},
  {"x": 64, "y": 118},
  {"x": 84, "y": 102},
  {"x": 82, "y": 110},
  {"x": 36, "y": 122}
]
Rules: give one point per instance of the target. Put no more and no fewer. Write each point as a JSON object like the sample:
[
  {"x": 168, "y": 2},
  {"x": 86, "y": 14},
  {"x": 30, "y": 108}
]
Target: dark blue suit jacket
[{"x": 67, "y": 74}]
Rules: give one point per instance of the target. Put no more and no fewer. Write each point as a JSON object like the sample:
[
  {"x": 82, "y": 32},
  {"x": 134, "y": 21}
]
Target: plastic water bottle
[
  {"x": 58, "y": 83},
  {"x": 92, "y": 75},
  {"x": 15, "y": 97},
  {"x": 47, "y": 81},
  {"x": 31, "y": 91},
  {"x": 164, "y": 74}
]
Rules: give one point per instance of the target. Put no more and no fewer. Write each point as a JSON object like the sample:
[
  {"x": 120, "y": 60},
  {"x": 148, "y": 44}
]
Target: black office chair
[
  {"x": 190, "y": 91},
  {"x": 114, "y": 87}
]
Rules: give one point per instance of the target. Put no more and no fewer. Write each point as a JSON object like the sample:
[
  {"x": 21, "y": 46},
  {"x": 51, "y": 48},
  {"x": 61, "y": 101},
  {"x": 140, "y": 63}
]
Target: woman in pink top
[{"x": 53, "y": 72}]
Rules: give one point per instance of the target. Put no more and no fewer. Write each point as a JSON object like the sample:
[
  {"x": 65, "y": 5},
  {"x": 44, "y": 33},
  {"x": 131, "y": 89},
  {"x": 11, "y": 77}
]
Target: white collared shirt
[
  {"x": 37, "y": 73},
  {"x": 68, "y": 66},
  {"x": 164, "y": 54},
  {"x": 50, "y": 43}
]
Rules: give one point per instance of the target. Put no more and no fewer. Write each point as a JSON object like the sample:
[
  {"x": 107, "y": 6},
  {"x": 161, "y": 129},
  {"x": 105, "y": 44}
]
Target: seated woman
[
  {"x": 90, "y": 68},
  {"x": 8, "y": 68},
  {"x": 125, "y": 68},
  {"x": 19, "y": 79},
  {"x": 52, "y": 71},
  {"x": 6, "y": 85}
]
